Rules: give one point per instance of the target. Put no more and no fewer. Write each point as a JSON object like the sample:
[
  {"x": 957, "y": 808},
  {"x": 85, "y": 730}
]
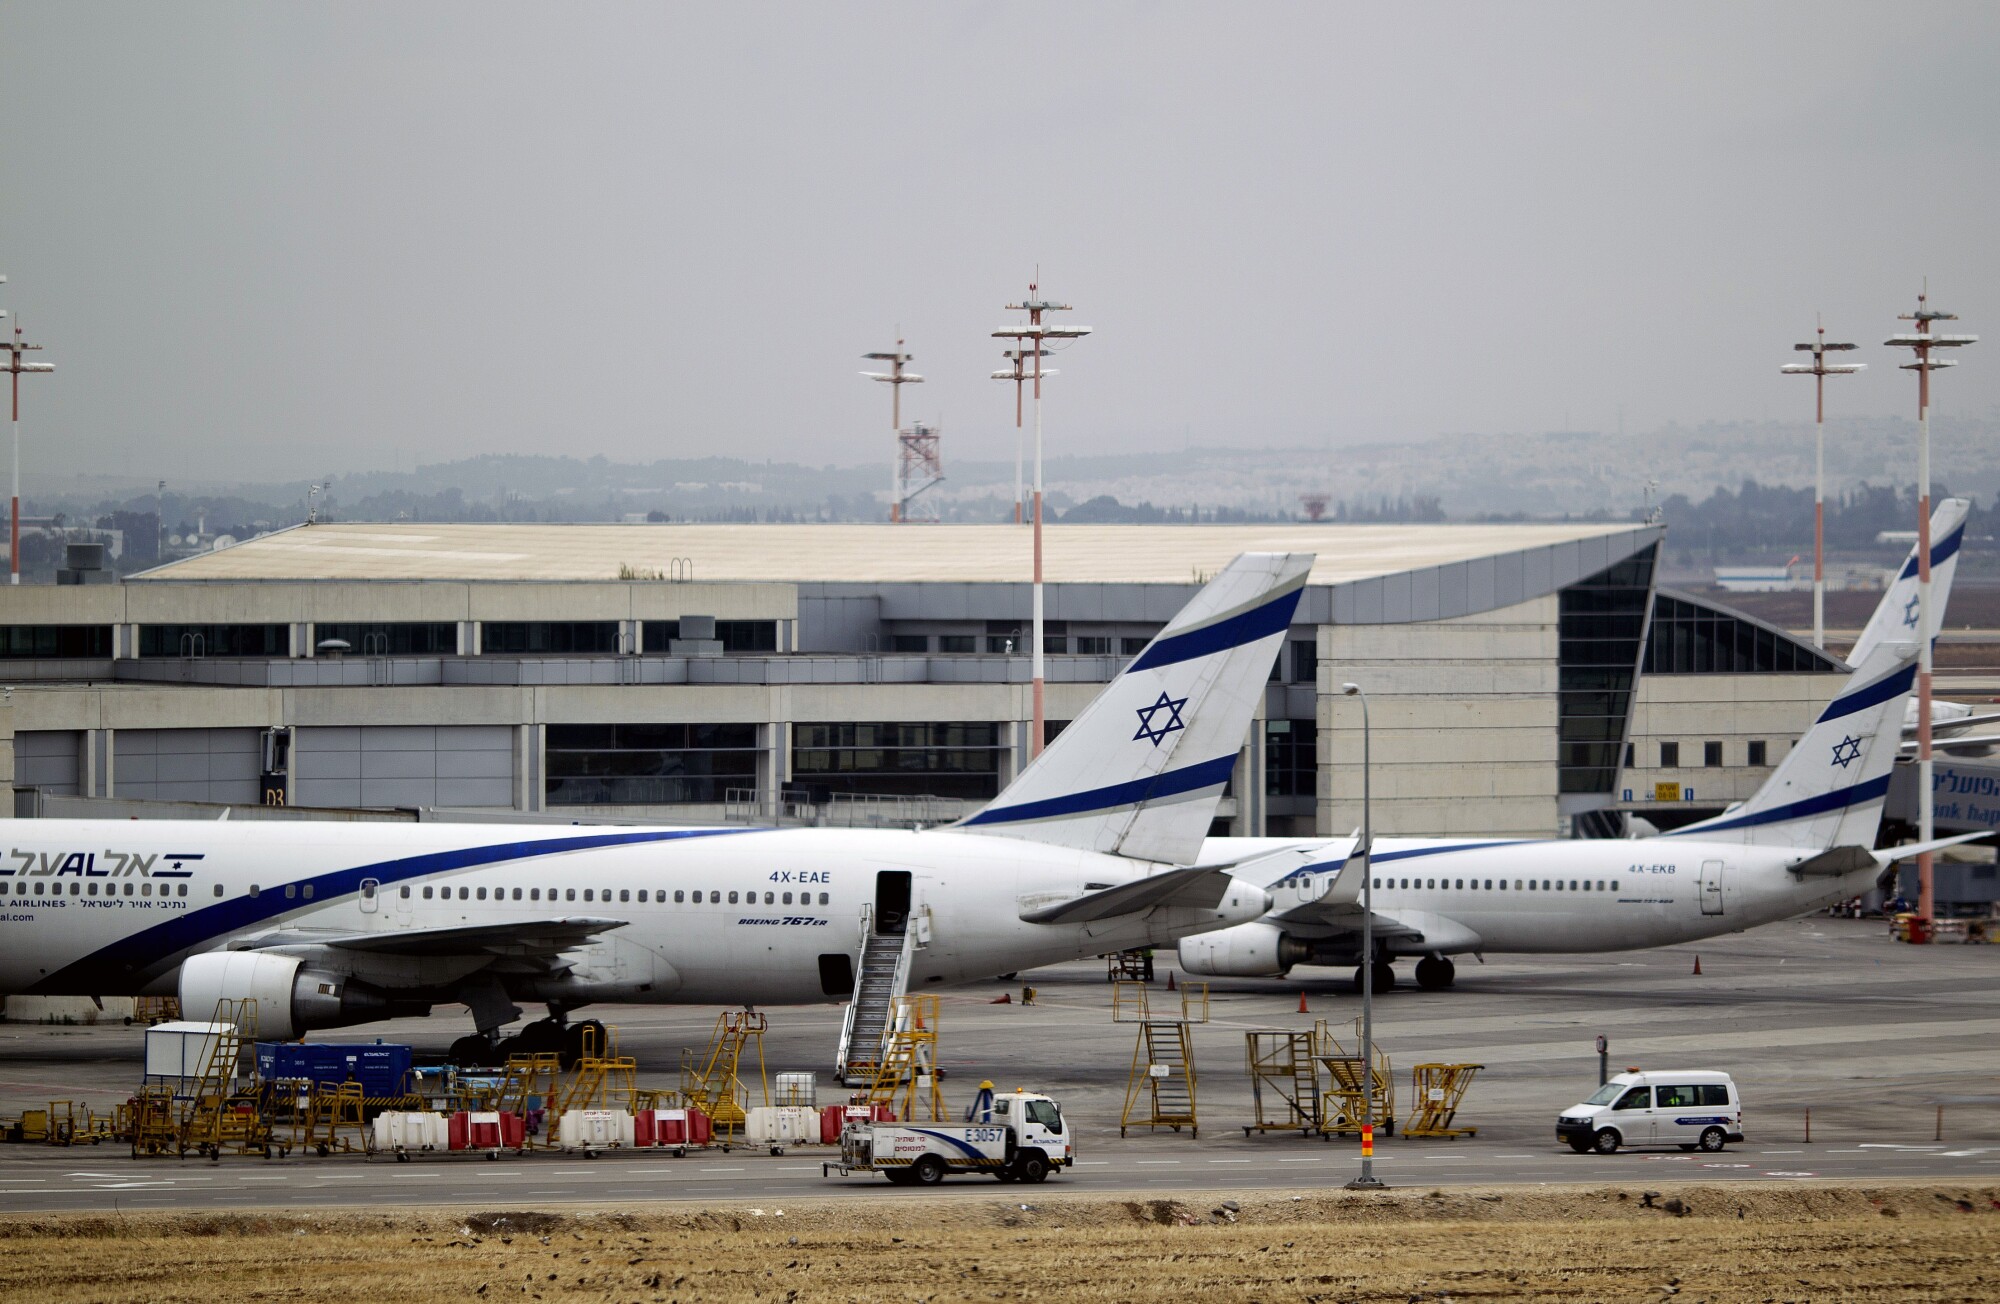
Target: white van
[{"x": 1692, "y": 1109}]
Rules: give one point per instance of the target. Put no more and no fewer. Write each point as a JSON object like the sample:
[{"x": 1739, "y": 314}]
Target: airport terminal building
[{"x": 864, "y": 673}]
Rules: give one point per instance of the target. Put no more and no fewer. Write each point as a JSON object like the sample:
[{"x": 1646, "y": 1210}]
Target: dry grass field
[{"x": 1747, "y": 1243}]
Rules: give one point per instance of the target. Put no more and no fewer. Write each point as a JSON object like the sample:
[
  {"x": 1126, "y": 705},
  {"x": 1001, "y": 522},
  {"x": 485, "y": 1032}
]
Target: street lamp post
[
  {"x": 1367, "y": 1181},
  {"x": 1921, "y": 342},
  {"x": 1819, "y": 371},
  {"x": 15, "y": 367},
  {"x": 1030, "y": 340}
]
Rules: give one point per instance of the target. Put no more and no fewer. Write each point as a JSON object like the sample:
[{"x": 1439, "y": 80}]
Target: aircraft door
[
  {"x": 892, "y": 900},
  {"x": 400, "y": 910},
  {"x": 371, "y": 896},
  {"x": 1711, "y": 887}
]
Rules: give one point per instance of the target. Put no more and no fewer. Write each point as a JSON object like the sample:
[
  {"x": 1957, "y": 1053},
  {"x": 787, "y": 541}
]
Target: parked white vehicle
[
  {"x": 1691, "y": 1108},
  {"x": 1022, "y": 1139}
]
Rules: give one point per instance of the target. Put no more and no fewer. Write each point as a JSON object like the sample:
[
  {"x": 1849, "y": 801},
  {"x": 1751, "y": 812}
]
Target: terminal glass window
[
  {"x": 1132, "y": 647},
  {"x": 1692, "y": 638},
  {"x": 390, "y": 639},
  {"x": 659, "y": 635},
  {"x": 51, "y": 642},
  {"x": 1093, "y": 646},
  {"x": 957, "y": 643},
  {"x": 1291, "y": 763},
  {"x": 1670, "y": 755},
  {"x": 648, "y": 764},
  {"x": 1756, "y": 756},
  {"x": 747, "y": 635},
  {"x": 215, "y": 640},
  {"x": 549, "y": 637},
  {"x": 909, "y": 643},
  {"x": 1711, "y": 754},
  {"x": 1601, "y": 629},
  {"x": 1305, "y": 662},
  {"x": 932, "y": 759}
]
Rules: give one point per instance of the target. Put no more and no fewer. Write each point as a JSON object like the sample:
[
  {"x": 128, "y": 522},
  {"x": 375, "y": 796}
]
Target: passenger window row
[
  {"x": 143, "y": 889},
  {"x": 1487, "y": 885},
  {"x": 646, "y": 895}
]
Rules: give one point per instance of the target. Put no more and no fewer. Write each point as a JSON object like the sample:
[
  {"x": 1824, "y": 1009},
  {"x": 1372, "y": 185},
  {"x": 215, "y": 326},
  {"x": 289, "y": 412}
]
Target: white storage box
[
  {"x": 595, "y": 1129},
  {"x": 404, "y": 1130},
  {"x": 781, "y": 1125},
  {"x": 181, "y": 1050}
]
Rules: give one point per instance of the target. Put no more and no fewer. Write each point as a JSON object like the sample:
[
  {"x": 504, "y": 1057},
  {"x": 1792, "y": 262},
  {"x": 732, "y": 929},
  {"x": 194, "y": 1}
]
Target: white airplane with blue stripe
[
  {"x": 1086, "y": 852},
  {"x": 1804, "y": 841}
]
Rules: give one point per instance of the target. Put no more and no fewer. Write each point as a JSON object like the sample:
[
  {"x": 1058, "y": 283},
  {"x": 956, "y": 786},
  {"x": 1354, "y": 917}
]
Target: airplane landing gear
[
  {"x": 473, "y": 1052},
  {"x": 1385, "y": 977},
  {"x": 1435, "y": 973}
]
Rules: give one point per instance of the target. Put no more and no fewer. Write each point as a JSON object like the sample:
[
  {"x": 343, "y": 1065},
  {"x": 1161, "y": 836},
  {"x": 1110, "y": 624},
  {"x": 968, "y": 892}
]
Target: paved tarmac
[{"x": 1829, "y": 1015}]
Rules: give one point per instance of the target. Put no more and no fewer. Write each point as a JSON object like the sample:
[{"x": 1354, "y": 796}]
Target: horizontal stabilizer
[
  {"x": 1199, "y": 888},
  {"x": 1837, "y": 862},
  {"x": 534, "y": 938},
  {"x": 1888, "y": 856}
]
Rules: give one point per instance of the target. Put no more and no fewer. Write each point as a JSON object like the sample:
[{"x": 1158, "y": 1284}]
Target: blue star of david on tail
[
  {"x": 1910, "y": 611},
  {"x": 1846, "y": 752},
  {"x": 1149, "y": 719}
]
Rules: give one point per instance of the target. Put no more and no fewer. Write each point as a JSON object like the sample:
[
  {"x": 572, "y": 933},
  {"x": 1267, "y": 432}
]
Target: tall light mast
[
  {"x": 1819, "y": 371},
  {"x": 1922, "y": 341},
  {"x": 1029, "y": 341},
  {"x": 895, "y": 378},
  {"x": 15, "y": 347}
]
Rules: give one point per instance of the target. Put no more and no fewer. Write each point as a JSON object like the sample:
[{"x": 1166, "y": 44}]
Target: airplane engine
[
  {"x": 291, "y": 999},
  {"x": 1253, "y": 950}
]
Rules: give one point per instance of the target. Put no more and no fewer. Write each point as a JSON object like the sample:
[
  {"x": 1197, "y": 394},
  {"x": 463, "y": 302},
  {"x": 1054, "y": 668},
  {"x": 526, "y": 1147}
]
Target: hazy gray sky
[{"x": 286, "y": 239}]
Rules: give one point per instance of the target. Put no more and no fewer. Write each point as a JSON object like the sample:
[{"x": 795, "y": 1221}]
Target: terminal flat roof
[{"x": 851, "y": 553}]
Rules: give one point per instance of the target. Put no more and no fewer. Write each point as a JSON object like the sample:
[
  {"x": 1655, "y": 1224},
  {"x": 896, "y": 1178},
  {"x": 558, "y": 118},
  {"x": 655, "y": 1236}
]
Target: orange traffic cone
[
  {"x": 1004, "y": 998},
  {"x": 1170, "y": 980},
  {"x": 1697, "y": 966},
  {"x": 1302, "y": 1004}
]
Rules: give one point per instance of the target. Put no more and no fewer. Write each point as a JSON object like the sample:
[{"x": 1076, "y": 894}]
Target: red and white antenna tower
[
  {"x": 1819, "y": 369},
  {"x": 1029, "y": 341},
  {"x": 1921, "y": 342},
  {"x": 16, "y": 368},
  {"x": 895, "y": 378}
]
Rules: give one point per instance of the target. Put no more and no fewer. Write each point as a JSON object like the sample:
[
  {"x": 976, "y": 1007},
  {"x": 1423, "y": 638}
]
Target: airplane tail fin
[
  {"x": 1139, "y": 773},
  {"x": 1829, "y": 790},
  {"x": 1895, "y": 618}
]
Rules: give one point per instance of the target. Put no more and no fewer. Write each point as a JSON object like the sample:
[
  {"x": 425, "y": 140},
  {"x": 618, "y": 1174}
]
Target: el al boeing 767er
[
  {"x": 331, "y": 924},
  {"x": 1803, "y": 841}
]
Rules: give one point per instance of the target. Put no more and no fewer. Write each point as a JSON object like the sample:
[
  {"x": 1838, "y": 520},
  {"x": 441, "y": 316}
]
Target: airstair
[{"x": 881, "y": 978}]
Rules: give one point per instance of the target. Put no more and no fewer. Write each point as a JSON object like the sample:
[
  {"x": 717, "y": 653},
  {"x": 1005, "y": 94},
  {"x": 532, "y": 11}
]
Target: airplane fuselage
[
  {"x": 1571, "y": 895},
  {"x": 709, "y": 915}
]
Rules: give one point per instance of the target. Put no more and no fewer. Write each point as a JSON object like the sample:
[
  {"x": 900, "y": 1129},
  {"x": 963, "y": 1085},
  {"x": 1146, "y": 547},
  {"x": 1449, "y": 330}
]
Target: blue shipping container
[{"x": 382, "y": 1070}]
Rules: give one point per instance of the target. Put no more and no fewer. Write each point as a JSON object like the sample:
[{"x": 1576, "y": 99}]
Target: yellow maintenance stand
[
  {"x": 1438, "y": 1090},
  {"x": 228, "y": 1113},
  {"x": 1284, "y": 1082},
  {"x": 1351, "y": 1084},
  {"x": 713, "y": 1083},
  {"x": 1160, "y": 1092},
  {"x": 907, "y": 1078}
]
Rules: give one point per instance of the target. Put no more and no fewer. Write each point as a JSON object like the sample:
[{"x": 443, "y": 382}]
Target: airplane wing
[
  {"x": 539, "y": 939},
  {"x": 1339, "y": 909},
  {"x": 1956, "y": 743},
  {"x": 1201, "y": 887}
]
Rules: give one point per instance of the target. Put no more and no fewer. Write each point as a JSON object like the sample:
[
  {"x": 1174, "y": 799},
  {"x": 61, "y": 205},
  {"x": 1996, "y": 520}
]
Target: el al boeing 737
[
  {"x": 1803, "y": 841},
  {"x": 329, "y": 924}
]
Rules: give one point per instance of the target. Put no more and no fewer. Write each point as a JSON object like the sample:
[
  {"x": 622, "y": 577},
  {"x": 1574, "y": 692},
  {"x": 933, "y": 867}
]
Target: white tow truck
[{"x": 1021, "y": 1137}]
